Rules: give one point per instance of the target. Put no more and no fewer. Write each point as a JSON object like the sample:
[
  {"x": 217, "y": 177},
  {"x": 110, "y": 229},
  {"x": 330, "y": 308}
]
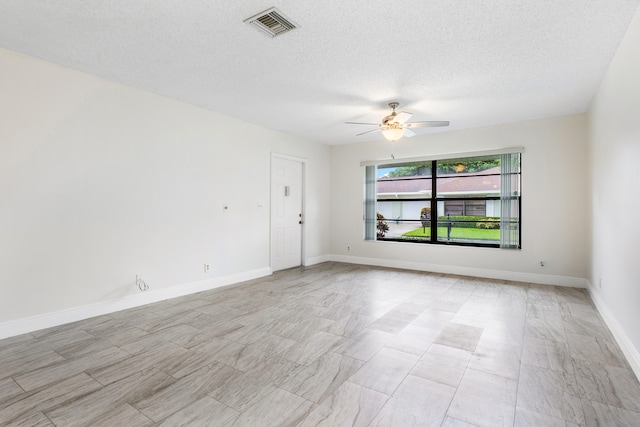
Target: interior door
[{"x": 286, "y": 213}]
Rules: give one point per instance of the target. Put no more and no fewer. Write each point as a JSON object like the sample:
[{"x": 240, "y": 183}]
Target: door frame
[{"x": 303, "y": 186}]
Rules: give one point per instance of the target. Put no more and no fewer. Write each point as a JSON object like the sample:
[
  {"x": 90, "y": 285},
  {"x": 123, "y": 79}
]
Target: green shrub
[
  {"x": 489, "y": 225},
  {"x": 482, "y": 222}
]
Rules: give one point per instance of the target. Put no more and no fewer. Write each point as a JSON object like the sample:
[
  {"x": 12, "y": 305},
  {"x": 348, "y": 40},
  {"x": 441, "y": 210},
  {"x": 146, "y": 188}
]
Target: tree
[
  {"x": 449, "y": 168},
  {"x": 418, "y": 169},
  {"x": 467, "y": 166}
]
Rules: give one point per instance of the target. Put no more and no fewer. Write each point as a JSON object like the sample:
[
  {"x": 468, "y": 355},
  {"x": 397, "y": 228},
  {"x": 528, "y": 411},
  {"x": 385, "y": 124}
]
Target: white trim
[
  {"x": 316, "y": 260},
  {"x": 542, "y": 279},
  {"x": 30, "y": 324},
  {"x": 444, "y": 156},
  {"x": 623, "y": 340},
  {"x": 288, "y": 157}
]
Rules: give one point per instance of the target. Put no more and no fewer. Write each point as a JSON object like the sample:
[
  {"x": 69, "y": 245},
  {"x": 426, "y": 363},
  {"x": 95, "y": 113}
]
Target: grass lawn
[{"x": 458, "y": 233}]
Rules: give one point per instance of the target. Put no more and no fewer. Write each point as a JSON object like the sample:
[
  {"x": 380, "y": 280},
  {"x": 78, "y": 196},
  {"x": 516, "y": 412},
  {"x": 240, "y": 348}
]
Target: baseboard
[
  {"x": 627, "y": 347},
  {"x": 316, "y": 260},
  {"x": 543, "y": 279},
  {"x": 30, "y": 324}
]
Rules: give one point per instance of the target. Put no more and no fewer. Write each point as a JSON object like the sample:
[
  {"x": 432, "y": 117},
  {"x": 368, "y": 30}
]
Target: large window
[{"x": 472, "y": 200}]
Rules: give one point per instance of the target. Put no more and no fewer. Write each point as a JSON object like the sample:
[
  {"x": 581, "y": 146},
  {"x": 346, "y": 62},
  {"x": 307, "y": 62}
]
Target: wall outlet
[
  {"x": 141, "y": 284},
  {"x": 542, "y": 264},
  {"x": 206, "y": 268},
  {"x": 348, "y": 248}
]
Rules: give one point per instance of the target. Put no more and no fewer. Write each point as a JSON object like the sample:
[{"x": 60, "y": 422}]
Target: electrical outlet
[
  {"x": 542, "y": 264},
  {"x": 141, "y": 284},
  {"x": 206, "y": 268},
  {"x": 348, "y": 248}
]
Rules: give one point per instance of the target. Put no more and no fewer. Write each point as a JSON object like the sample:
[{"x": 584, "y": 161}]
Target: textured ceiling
[{"x": 472, "y": 62}]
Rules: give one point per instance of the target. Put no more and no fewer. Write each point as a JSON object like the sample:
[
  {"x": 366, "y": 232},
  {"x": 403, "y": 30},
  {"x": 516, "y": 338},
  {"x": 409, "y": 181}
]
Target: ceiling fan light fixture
[
  {"x": 393, "y": 133},
  {"x": 396, "y": 125}
]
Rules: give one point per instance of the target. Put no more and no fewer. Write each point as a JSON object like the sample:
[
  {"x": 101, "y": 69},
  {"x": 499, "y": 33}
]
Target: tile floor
[{"x": 333, "y": 345}]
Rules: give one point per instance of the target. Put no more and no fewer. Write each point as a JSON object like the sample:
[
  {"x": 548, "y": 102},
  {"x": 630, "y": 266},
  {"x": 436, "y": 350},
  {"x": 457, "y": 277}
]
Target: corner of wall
[{"x": 626, "y": 345}]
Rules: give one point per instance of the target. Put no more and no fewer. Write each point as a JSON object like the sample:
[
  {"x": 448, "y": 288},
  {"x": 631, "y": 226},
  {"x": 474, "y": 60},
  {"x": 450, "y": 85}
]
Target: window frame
[{"x": 433, "y": 199}]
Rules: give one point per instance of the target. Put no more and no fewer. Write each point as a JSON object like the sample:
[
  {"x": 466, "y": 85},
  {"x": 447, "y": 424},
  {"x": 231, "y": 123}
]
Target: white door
[{"x": 286, "y": 213}]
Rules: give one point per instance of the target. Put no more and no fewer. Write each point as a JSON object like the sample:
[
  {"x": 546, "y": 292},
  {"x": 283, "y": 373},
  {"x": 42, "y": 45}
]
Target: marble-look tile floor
[{"x": 333, "y": 345}]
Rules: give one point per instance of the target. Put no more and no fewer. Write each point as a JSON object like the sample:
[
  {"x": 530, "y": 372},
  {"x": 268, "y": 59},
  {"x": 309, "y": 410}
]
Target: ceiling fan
[{"x": 396, "y": 125}]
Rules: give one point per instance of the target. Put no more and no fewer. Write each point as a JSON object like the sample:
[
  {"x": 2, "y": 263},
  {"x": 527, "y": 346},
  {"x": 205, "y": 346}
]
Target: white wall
[
  {"x": 614, "y": 132},
  {"x": 100, "y": 182},
  {"x": 554, "y": 203}
]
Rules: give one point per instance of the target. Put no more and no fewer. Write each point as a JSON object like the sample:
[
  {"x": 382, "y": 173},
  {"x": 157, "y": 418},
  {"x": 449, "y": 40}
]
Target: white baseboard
[
  {"x": 30, "y": 324},
  {"x": 316, "y": 260},
  {"x": 543, "y": 279},
  {"x": 627, "y": 347}
]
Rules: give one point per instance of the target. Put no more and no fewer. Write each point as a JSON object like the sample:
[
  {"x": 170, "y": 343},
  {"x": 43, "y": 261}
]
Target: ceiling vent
[{"x": 272, "y": 22}]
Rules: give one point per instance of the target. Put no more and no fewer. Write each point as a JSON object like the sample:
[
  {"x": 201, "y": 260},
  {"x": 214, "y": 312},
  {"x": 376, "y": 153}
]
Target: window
[
  {"x": 465, "y": 207},
  {"x": 476, "y": 199}
]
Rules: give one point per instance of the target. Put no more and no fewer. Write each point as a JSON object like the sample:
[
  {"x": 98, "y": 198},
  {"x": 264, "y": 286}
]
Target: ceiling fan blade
[
  {"x": 427, "y": 124},
  {"x": 409, "y": 133},
  {"x": 369, "y": 131},
  {"x": 359, "y": 123},
  {"x": 402, "y": 117}
]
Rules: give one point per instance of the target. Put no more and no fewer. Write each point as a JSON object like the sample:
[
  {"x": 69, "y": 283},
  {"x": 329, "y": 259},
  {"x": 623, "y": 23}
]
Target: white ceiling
[{"x": 473, "y": 62}]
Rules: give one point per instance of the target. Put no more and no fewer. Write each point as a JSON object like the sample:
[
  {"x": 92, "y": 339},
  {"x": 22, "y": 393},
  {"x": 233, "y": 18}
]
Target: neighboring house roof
[{"x": 459, "y": 184}]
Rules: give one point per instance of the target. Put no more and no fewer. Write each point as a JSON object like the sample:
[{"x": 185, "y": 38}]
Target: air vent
[{"x": 272, "y": 22}]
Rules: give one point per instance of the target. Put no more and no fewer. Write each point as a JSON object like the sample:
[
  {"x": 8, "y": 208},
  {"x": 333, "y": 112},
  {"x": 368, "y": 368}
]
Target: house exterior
[{"x": 402, "y": 198}]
